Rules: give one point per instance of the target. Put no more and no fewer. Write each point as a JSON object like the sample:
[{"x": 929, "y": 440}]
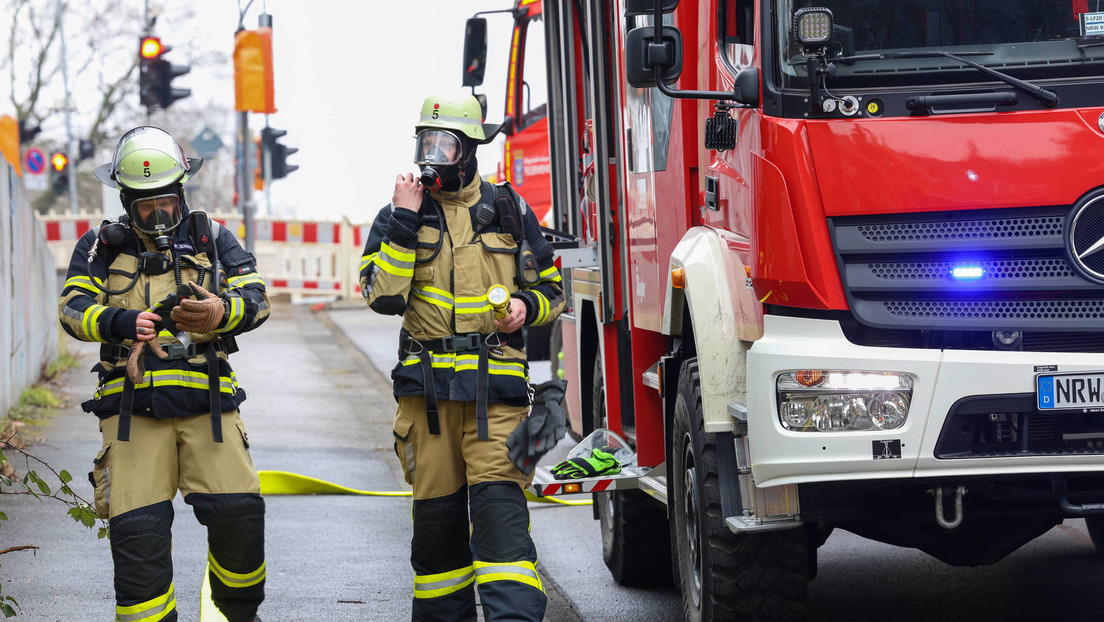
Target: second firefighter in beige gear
[{"x": 462, "y": 377}]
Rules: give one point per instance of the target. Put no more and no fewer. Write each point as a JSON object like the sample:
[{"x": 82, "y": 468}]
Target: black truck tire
[
  {"x": 1095, "y": 525},
  {"x": 755, "y": 577},
  {"x": 636, "y": 542}
]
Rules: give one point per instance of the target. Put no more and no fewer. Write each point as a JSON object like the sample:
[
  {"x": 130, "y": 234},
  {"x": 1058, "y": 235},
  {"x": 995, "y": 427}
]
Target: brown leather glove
[
  {"x": 199, "y": 316},
  {"x": 135, "y": 368}
]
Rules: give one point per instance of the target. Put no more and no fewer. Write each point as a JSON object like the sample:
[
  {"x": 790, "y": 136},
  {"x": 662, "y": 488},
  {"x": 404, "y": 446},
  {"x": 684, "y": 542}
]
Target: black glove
[
  {"x": 165, "y": 306},
  {"x": 545, "y": 426}
]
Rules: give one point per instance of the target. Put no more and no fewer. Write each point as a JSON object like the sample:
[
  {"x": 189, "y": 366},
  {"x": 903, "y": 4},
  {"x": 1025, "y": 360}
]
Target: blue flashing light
[{"x": 967, "y": 273}]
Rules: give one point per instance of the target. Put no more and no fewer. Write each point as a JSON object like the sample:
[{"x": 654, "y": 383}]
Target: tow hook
[{"x": 940, "y": 517}]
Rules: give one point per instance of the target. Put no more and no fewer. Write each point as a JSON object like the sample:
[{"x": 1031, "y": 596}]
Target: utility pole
[
  {"x": 69, "y": 142},
  {"x": 265, "y": 21},
  {"x": 245, "y": 178}
]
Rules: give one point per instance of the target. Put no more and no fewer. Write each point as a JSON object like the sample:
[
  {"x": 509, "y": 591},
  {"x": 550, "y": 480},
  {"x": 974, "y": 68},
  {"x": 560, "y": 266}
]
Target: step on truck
[{"x": 838, "y": 264}]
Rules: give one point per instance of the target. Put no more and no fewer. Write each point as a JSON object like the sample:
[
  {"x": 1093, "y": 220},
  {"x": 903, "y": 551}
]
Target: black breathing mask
[
  {"x": 156, "y": 215},
  {"x": 439, "y": 154}
]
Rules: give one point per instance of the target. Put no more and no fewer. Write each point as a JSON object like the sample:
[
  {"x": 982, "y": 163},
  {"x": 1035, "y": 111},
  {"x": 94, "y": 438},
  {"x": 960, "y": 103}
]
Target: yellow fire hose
[{"x": 285, "y": 483}]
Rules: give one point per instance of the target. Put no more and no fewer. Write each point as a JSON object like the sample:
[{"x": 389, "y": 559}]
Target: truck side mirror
[
  {"x": 645, "y": 56},
  {"x": 747, "y": 86},
  {"x": 475, "y": 51}
]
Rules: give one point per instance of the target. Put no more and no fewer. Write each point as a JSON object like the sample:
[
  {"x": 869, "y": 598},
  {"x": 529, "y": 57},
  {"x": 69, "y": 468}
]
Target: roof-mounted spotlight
[{"x": 812, "y": 27}]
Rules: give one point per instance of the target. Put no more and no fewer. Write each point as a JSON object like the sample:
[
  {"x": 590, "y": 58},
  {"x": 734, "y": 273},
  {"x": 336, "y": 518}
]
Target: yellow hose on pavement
[{"x": 285, "y": 483}]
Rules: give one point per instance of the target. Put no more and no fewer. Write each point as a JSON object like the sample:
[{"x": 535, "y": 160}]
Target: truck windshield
[{"x": 1031, "y": 39}]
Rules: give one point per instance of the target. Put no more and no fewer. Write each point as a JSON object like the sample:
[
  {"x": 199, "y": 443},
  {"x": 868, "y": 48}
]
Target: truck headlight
[{"x": 843, "y": 401}]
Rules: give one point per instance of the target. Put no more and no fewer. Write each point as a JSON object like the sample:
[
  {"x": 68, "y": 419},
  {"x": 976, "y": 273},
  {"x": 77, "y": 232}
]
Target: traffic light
[
  {"x": 155, "y": 89},
  {"x": 59, "y": 179},
  {"x": 277, "y": 152},
  {"x": 27, "y": 132},
  {"x": 87, "y": 150}
]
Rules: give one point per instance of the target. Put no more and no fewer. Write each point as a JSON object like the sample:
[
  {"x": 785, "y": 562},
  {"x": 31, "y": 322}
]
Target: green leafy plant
[{"x": 40, "y": 481}]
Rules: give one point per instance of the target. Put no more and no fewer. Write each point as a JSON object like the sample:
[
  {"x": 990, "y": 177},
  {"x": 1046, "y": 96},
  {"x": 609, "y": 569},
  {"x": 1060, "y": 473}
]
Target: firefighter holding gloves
[
  {"x": 165, "y": 290},
  {"x": 440, "y": 256}
]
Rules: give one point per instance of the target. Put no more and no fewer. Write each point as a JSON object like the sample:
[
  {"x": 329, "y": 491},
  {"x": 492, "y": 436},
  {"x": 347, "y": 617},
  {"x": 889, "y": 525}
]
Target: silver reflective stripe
[
  {"x": 155, "y": 611},
  {"x": 428, "y": 118},
  {"x": 479, "y": 304},
  {"x": 517, "y": 367},
  {"x": 433, "y": 296},
  {"x": 444, "y": 584},
  {"x": 242, "y": 580},
  {"x": 506, "y": 569},
  {"x": 397, "y": 263}
]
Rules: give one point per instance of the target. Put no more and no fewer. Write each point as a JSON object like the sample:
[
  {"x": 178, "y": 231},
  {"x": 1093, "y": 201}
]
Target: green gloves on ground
[{"x": 600, "y": 462}]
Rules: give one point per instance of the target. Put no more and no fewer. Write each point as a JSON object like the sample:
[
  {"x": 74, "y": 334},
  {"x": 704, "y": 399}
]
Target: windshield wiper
[{"x": 1047, "y": 96}]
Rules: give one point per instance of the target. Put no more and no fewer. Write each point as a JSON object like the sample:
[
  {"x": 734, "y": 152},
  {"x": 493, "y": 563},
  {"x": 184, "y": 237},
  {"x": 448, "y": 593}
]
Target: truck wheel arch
[{"x": 715, "y": 295}]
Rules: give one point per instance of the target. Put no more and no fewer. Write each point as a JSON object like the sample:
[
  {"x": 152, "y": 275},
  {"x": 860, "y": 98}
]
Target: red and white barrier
[{"x": 293, "y": 256}]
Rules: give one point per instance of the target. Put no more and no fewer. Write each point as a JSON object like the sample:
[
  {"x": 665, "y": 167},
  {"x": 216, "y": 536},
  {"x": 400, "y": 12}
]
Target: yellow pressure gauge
[{"x": 499, "y": 297}]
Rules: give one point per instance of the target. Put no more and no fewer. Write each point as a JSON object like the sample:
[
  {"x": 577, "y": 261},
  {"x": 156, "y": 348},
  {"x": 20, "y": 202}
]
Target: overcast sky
[
  {"x": 350, "y": 80},
  {"x": 350, "y": 77}
]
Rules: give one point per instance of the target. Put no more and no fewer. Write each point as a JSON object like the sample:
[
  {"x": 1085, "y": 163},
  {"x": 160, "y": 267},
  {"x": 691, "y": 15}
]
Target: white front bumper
[{"x": 942, "y": 377}]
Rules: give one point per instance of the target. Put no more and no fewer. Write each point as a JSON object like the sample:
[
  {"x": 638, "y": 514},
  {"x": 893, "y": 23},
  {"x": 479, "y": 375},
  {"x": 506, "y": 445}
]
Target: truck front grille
[
  {"x": 897, "y": 271},
  {"x": 1009, "y": 425}
]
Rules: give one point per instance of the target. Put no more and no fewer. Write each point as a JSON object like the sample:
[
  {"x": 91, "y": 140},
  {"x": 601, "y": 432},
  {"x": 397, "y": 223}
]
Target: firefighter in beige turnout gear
[
  {"x": 462, "y": 377},
  {"x": 144, "y": 287}
]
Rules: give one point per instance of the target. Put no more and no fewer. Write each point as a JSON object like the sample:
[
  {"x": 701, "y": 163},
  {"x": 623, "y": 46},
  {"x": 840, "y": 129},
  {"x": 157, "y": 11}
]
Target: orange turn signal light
[
  {"x": 569, "y": 488},
  {"x": 809, "y": 377},
  {"x": 678, "y": 278}
]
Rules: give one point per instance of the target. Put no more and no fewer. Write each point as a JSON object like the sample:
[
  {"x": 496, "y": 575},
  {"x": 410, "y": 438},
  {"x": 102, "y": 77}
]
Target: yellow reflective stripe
[
  {"x": 433, "y": 296},
  {"x": 150, "y": 611},
  {"x": 443, "y": 360},
  {"x": 397, "y": 255},
  {"x": 438, "y": 291},
  {"x": 366, "y": 259},
  {"x": 522, "y": 572},
  {"x": 399, "y": 263},
  {"x": 84, "y": 283},
  {"x": 235, "y": 579},
  {"x": 239, "y": 281},
  {"x": 90, "y": 323},
  {"x": 237, "y": 312},
  {"x": 443, "y": 584},
  {"x": 171, "y": 378},
  {"x": 551, "y": 274},
  {"x": 386, "y": 264},
  {"x": 543, "y": 307},
  {"x": 470, "y": 362},
  {"x": 472, "y": 304}
]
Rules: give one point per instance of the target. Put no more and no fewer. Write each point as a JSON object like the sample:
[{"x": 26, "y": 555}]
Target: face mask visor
[
  {"x": 157, "y": 215},
  {"x": 437, "y": 148}
]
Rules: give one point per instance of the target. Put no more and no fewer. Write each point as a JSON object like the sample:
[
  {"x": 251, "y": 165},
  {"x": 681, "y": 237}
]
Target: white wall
[{"x": 28, "y": 294}]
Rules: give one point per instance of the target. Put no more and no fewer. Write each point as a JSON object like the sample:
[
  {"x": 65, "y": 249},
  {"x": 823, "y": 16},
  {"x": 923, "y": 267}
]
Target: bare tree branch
[{"x": 23, "y": 547}]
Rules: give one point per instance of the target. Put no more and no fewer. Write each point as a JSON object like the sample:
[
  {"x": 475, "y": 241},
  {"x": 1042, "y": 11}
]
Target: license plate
[{"x": 1082, "y": 391}]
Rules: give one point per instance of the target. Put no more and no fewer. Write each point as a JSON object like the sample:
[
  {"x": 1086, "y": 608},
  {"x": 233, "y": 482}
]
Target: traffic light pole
[
  {"x": 71, "y": 171},
  {"x": 245, "y": 178}
]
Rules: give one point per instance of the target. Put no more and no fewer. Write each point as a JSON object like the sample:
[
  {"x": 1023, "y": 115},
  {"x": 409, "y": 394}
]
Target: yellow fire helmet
[
  {"x": 461, "y": 114},
  {"x": 147, "y": 158}
]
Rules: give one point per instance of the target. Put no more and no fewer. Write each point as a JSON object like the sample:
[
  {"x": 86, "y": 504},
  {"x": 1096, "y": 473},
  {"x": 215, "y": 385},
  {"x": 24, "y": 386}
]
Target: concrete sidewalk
[{"x": 315, "y": 406}]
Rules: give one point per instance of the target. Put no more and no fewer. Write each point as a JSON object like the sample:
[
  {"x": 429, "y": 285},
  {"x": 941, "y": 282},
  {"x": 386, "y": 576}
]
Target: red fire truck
[
  {"x": 839, "y": 264},
  {"x": 525, "y": 160}
]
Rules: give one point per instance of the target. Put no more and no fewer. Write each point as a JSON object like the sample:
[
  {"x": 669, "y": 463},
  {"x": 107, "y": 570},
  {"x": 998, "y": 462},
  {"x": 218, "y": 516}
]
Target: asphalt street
[
  {"x": 315, "y": 406},
  {"x": 320, "y": 405}
]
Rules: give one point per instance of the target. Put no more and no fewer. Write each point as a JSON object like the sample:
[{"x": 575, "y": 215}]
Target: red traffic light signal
[
  {"x": 150, "y": 47},
  {"x": 155, "y": 75},
  {"x": 59, "y": 161}
]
